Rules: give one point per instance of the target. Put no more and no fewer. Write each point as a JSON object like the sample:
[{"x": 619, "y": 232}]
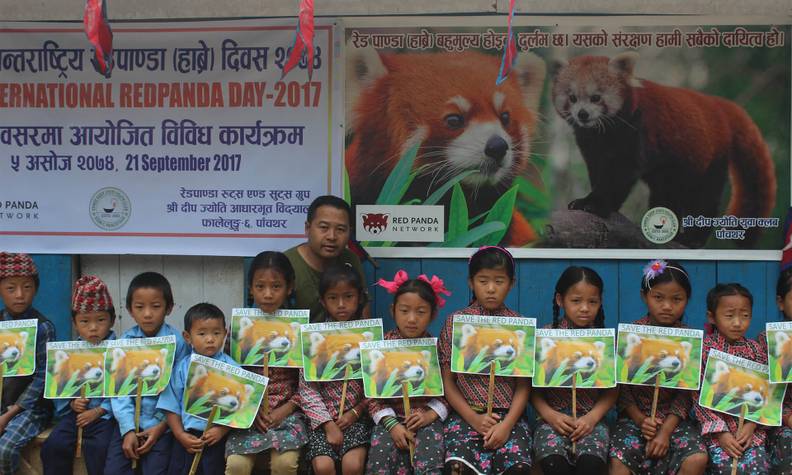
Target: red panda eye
[
  {"x": 505, "y": 118},
  {"x": 595, "y": 98},
  {"x": 454, "y": 121},
  {"x": 572, "y": 98}
]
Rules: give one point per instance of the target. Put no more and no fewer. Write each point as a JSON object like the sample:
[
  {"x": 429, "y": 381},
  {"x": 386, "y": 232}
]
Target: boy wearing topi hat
[{"x": 24, "y": 412}]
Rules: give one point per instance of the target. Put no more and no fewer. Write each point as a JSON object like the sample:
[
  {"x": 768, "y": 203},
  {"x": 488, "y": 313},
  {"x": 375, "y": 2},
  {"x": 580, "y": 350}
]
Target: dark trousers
[
  {"x": 57, "y": 453},
  {"x": 155, "y": 462},
  {"x": 212, "y": 460}
]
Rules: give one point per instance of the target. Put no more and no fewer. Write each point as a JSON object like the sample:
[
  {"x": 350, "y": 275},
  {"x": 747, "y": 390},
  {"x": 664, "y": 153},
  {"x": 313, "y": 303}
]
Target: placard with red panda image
[
  {"x": 255, "y": 333},
  {"x": 645, "y": 353},
  {"x": 779, "y": 351},
  {"x": 236, "y": 392},
  {"x": 388, "y": 364},
  {"x": 481, "y": 341},
  {"x": 731, "y": 382},
  {"x": 331, "y": 350},
  {"x": 587, "y": 355},
  {"x": 72, "y": 365},
  {"x": 18, "y": 347},
  {"x": 148, "y": 360}
]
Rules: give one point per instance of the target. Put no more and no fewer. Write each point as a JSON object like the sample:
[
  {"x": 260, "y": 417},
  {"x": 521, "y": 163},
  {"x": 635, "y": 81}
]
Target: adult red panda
[
  {"x": 448, "y": 103},
  {"x": 680, "y": 142}
]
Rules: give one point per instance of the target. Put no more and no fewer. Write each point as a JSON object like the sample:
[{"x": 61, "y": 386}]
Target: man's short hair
[{"x": 329, "y": 200}]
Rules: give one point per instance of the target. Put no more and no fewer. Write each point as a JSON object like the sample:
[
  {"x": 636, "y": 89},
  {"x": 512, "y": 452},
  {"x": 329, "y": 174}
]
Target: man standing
[{"x": 328, "y": 228}]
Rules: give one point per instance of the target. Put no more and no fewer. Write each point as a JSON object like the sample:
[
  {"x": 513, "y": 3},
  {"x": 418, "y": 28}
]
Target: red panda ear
[{"x": 624, "y": 63}]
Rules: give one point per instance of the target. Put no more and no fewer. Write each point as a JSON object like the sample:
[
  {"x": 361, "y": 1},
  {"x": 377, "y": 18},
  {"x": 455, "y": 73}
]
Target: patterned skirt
[
  {"x": 548, "y": 442},
  {"x": 290, "y": 435},
  {"x": 780, "y": 442},
  {"x": 463, "y": 444},
  {"x": 384, "y": 458},
  {"x": 356, "y": 435},
  {"x": 754, "y": 461},
  {"x": 629, "y": 446}
]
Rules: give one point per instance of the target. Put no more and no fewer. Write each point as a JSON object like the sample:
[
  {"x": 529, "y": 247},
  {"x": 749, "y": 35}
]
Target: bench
[{"x": 31, "y": 457}]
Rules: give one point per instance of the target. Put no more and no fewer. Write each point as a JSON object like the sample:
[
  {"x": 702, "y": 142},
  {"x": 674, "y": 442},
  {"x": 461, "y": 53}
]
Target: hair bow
[
  {"x": 436, "y": 283},
  {"x": 393, "y": 285}
]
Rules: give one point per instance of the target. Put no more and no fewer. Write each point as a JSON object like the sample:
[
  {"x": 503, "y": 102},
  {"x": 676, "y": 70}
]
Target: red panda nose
[
  {"x": 496, "y": 148},
  {"x": 583, "y": 115}
]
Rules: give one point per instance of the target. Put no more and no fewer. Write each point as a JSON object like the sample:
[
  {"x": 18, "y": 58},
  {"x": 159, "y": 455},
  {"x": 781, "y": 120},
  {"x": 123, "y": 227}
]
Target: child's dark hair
[
  {"x": 573, "y": 275},
  {"x": 337, "y": 274},
  {"x": 276, "y": 261},
  {"x": 150, "y": 280},
  {"x": 672, "y": 272},
  {"x": 202, "y": 311},
  {"x": 725, "y": 290},
  {"x": 420, "y": 287},
  {"x": 491, "y": 257},
  {"x": 784, "y": 282}
]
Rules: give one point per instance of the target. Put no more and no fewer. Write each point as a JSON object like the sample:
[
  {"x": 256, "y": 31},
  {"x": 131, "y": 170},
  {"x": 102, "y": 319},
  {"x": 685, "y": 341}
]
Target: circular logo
[
  {"x": 659, "y": 225},
  {"x": 110, "y": 208}
]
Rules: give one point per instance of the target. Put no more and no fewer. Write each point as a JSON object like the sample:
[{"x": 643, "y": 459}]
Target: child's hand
[
  {"x": 214, "y": 434},
  {"x": 561, "y": 423},
  {"x": 149, "y": 437},
  {"x": 86, "y": 417},
  {"x": 4, "y": 419},
  {"x": 497, "y": 436},
  {"x": 657, "y": 448},
  {"x": 401, "y": 436},
  {"x": 745, "y": 435},
  {"x": 730, "y": 445},
  {"x": 334, "y": 435},
  {"x": 130, "y": 445},
  {"x": 649, "y": 428},
  {"x": 419, "y": 419},
  {"x": 277, "y": 416},
  {"x": 583, "y": 427},
  {"x": 346, "y": 420},
  {"x": 79, "y": 405},
  {"x": 191, "y": 443},
  {"x": 484, "y": 423}
]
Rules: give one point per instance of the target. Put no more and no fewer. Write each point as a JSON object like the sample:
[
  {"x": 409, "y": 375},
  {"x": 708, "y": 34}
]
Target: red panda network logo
[{"x": 375, "y": 223}]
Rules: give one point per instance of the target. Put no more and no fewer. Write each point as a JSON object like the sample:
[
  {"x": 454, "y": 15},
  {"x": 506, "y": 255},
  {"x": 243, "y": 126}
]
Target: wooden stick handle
[
  {"x": 138, "y": 397},
  {"x": 265, "y": 373},
  {"x": 739, "y": 427},
  {"x": 343, "y": 392},
  {"x": 2, "y": 375},
  {"x": 491, "y": 389},
  {"x": 574, "y": 406},
  {"x": 78, "y": 448},
  {"x": 407, "y": 411},
  {"x": 197, "y": 457},
  {"x": 656, "y": 395}
]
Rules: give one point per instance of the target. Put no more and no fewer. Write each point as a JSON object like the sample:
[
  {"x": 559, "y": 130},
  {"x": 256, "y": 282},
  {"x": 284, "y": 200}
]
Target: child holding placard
[
  {"x": 500, "y": 442},
  {"x": 205, "y": 331},
  {"x": 335, "y": 437},
  {"x": 93, "y": 316},
  {"x": 283, "y": 431},
  {"x": 24, "y": 411},
  {"x": 415, "y": 305},
  {"x": 669, "y": 443},
  {"x": 149, "y": 300},
  {"x": 729, "y": 316},
  {"x": 579, "y": 293},
  {"x": 780, "y": 447}
]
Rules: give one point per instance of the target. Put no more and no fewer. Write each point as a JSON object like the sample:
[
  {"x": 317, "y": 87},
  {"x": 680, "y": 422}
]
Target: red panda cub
[{"x": 681, "y": 142}]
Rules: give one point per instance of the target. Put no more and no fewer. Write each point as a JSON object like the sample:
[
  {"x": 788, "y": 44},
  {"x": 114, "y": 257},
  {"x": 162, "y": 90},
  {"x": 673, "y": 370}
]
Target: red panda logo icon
[{"x": 375, "y": 223}]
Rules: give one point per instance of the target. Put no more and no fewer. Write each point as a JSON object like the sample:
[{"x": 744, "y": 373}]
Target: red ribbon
[
  {"x": 509, "y": 50},
  {"x": 97, "y": 28},
  {"x": 304, "y": 40}
]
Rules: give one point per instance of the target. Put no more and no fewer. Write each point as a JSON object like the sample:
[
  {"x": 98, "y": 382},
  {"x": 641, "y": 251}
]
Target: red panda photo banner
[
  {"x": 255, "y": 334},
  {"x": 645, "y": 353},
  {"x": 18, "y": 347},
  {"x": 779, "y": 351},
  {"x": 731, "y": 382},
  {"x": 615, "y": 133},
  {"x": 389, "y": 365},
  {"x": 481, "y": 341},
  {"x": 328, "y": 349},
  {"x": 148, "y": 360},
  {"x": 585, "y": 355},
  {"x": 72, "y": 365}
]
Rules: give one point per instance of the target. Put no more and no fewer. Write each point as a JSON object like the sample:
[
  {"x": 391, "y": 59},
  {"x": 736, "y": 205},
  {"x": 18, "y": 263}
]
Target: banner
[
  {"x": 587, "y": 355},
  {"x": 732, "y": 384},
  {"x": 255, "y": 334},
  {"x": 190, "y": 147},
  {"x": 331, "y": 351},
  {"x": 72, "y": 365},
  {"x": 18, "y": 347},
  {"x": 235, "y": 391},
  {"x": 389, "y": 364},
  {"x": 609, "y": 133},
  {"x": 145, "y": 360},
  {"x": 779, "y": 351},
  {"x": 645, "y": 353},
  {"x": 506, "y": 342}
]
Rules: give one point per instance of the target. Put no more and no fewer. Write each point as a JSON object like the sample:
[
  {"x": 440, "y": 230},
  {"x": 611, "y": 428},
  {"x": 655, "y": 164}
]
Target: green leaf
[
  {"x": 390, "y": 387},
  {"x": 440, "y": 192},
  {"x": 329, "y": 370},
  {"x": 477, "y": 365},
  {"x": 399, "y": 179},
  {"x": 473, "y": 235},
  {"x": 533, "y": 194},
  {"x": 199, "y": 406},
  {"x": 347, "y": 192},
  {"x": 558, "y": 376},
  {"x": 254, "y": 355},
  {"x": 501, "y": 212},
  {"x": 458, "y": 216}
]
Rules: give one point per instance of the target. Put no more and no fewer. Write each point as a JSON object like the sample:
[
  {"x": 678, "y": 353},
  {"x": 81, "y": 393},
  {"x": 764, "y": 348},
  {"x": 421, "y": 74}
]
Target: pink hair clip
[{"x": 436, "y": 283}]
